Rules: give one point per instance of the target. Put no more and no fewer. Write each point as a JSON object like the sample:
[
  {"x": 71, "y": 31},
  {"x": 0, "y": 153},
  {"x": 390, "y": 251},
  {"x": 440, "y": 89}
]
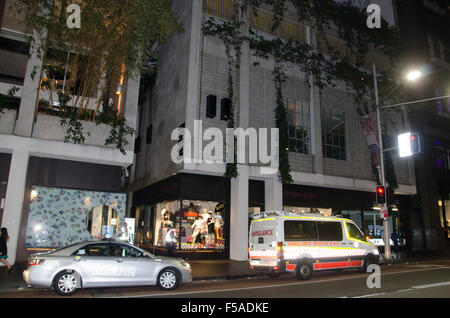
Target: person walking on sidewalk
[
  {"x": 4, "y": 248},
  {"x": 395, "y": 237}
]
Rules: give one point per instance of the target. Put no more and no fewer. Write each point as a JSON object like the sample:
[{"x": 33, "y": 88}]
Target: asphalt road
[{"x": 418, "y": 280}]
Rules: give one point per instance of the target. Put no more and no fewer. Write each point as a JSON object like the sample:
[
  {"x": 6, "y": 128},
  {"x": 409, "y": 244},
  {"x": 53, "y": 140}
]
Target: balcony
[{"x": 262, "y": 20}]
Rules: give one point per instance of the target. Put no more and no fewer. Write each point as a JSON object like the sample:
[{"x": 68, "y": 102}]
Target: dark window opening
[
  {"x": 211, "y": 104},
  {"x": 329, "y": 231},
  {"x": 300, "y": 231}
]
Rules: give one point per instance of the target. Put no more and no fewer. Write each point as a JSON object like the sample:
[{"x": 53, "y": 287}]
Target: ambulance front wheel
[
  {"x": 304, "y": 271},
  {"x": 369, "y": 260}
]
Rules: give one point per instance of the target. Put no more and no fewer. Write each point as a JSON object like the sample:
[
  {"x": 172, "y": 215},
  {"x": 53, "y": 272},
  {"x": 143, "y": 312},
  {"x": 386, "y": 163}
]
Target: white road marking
[
  {"x": 371, "y": 295},
  {"x": 431, "y": 285},
  {"x": 278, "y": 285}
]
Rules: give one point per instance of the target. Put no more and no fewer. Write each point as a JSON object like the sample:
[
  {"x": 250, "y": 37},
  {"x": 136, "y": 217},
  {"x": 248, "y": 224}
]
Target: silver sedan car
[{"x": 103, "y": 264}]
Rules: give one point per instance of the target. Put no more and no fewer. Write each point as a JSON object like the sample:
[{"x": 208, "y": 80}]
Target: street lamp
[{"x": 411, "y": 76}]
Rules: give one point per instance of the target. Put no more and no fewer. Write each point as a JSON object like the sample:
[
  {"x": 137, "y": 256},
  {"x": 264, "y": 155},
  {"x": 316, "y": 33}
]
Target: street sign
[{"x": 384, "y": 212}]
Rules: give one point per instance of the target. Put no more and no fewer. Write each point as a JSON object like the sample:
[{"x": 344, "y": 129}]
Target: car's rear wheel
[
  {"x": 168, "y": 279},
  {"x": 66, "y": 284}
]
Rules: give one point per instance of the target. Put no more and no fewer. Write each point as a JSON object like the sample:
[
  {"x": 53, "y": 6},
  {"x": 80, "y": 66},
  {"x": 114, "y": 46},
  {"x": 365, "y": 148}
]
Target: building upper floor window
[
  {"x": 442, "y": 157},
  {"x": 333, "y": 132},
  {"x": 298, "y": 118},
  {"x": 438, "y": 50}
]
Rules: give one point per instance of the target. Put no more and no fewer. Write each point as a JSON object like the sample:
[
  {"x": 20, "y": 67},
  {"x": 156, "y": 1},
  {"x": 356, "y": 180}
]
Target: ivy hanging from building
[
  {"x": 84, "y": 68},
  {"x": 324, "y": 71},
  {"x": 230, "y": 34}
]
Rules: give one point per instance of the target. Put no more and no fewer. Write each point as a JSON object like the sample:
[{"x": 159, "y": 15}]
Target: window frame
[
  {"x": 91, "y": 244},
  {"x": 338, "y": 151},
  {"x": 121, "y": 245},
  {"x": 305, "y": 115},
  {"x": 447, "y": 157},
  {"x": 349, "y": 224},
  {"x": 328, "y": 222},
  {"x": 301, "y": 240}
]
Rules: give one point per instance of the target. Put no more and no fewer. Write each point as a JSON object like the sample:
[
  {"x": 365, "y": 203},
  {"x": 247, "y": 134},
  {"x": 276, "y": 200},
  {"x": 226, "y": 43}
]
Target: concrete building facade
[
  {"x": 40, "y": 173},
  {"x": 193, "y": 71},
  {"x": 423, "y": 28}
]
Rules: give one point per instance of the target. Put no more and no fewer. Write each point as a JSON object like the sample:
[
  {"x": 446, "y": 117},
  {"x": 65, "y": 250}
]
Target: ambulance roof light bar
[{"x": 266, "y": 214}]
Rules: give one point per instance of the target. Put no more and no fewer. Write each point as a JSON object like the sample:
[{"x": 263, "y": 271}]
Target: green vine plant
[
  {"x": 324, "y": 71},
  {"x": 83, "y": 66},
  {"x": 4, "y": 100},
  {"x": 119, "y": 131},
  {"x": 229, "y": 33}
]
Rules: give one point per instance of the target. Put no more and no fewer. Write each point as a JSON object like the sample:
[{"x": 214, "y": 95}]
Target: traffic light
[
  {"x": 381, "y": 195},
  {"x": 409, "y": 144},
  {"x": 414, "y": 139}
]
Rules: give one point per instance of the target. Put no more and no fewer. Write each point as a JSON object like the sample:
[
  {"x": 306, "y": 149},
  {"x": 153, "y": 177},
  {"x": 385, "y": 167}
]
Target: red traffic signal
[{"x": 381, "y": 195}]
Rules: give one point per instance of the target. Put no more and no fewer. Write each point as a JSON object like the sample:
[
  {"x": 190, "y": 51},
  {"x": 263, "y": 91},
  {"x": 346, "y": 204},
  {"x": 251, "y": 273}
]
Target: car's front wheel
[
  {"x": 168, "y": 279},
  {"x": 66, "y": 284}
]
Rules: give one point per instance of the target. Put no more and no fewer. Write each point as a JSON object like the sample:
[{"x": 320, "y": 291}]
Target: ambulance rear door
[{"x": 263, "y": 242}]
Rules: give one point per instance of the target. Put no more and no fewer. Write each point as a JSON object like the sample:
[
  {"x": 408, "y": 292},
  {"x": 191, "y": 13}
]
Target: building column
[
  {"x": 239, "y": 215},
  {"x": 25, "y": 120},
  {"x": 15, "y": 194},
  {"x": 273, "y": 194},
  {"x": 315, "y": 114}
]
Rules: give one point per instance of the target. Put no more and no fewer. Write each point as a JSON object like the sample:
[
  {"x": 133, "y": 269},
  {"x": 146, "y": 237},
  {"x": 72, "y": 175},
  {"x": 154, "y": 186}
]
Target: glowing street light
[{"x": 413, "y": 75}]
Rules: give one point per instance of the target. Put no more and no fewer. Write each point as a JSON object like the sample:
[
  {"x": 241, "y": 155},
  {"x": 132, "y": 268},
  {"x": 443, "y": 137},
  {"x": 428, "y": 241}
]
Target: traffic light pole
[
  {"x": 386, "y": 234},
  {"x": 384, "y": 207}
]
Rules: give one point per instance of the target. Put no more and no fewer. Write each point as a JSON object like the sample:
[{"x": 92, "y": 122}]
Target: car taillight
[{"x": 36, "y": 261}]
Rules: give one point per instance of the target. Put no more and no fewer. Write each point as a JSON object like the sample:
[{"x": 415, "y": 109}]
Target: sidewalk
[
  {"x": 215, "y": 269},
  {"x": 201, "y": 270}
]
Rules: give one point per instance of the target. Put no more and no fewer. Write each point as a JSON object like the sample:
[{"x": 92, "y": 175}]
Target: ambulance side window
[
  {"x": 329, "y": 231},
  {"x": 300, "y": 231}
]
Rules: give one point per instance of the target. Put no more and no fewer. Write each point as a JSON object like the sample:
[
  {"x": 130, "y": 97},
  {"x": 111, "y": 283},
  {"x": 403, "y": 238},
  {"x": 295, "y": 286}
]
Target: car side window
[
  {"x": 101, "y": 249},
  {"x": 354, "y": 232},
  {"x": 121, "y": 250},
  {"x": 329, "y": 231}
]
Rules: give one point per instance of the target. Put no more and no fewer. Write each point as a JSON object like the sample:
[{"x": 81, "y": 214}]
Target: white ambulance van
[{"x": 302, "y": 243}]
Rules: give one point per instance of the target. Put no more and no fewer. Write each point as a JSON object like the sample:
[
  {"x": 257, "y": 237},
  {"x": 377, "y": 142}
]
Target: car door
[
  {"x": 96, "y": 265},
  {"x": 136, "y": 267}
]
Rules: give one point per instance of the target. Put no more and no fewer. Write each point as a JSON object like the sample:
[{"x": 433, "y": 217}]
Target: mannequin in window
[
  {"x": 197, "y": 226},
  {"x": 218, "y": 227},
  {"x": 165, "y": 218},
  {"x": 211, "y": 232}
]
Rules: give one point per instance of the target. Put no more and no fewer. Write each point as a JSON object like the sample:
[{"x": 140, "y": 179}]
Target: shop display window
[
  {"x": 59, "y": 217},
  {"x": 373, "y": 224},
  {"x": 193, "y": 225},
  {"x": 355, "y": 216},
  {"x": 102, "y": 222},
  {"x": 444, "y": 213},
  {"x": 165, "y": 220},
  {"x": 202, "y": 225}
]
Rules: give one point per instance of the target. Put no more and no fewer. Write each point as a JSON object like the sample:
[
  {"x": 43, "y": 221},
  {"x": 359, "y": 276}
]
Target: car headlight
[{"x": 186, "y": 264}]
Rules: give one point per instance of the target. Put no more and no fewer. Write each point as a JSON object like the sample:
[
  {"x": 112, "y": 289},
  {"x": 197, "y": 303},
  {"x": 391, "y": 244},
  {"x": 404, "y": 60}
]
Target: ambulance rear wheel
[{"x": 304, "y": 271}]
